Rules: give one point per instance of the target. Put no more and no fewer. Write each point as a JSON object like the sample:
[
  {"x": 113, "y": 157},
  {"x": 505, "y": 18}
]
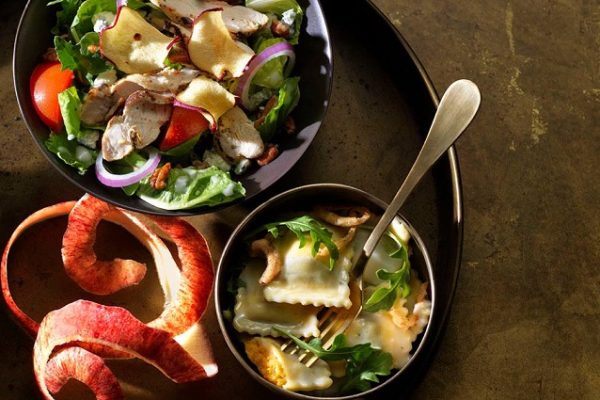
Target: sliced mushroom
[
  {"x": 237, "y": 19},
  {"x": 145, "y": 112},
  {"x": 167, "y": 80},
  {"x": 237, "y": 137}
]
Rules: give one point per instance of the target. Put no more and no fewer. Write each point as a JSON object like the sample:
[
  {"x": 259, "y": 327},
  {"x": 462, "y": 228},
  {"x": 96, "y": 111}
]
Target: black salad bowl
[
  {"x": 314, "y": 65},
  {"x": 302, "y": 199}
]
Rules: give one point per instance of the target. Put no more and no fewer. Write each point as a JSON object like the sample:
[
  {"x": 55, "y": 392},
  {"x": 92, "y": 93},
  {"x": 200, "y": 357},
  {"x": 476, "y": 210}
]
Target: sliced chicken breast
[
  {"x": 143, "y": 116},
  {"x": 145, "y": 112},
  {"x": 237, "y": 136},
  {"x": 237, "y": 19},
  {"x": 168, "y": 80}
]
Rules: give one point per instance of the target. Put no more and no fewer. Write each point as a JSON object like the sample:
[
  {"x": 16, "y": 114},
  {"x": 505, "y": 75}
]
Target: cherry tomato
[{"x": 47, "y": 81}]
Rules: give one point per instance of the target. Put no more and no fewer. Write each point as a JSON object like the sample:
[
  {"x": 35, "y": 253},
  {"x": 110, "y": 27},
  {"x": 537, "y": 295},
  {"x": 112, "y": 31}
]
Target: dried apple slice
[
  {"x": 86, "y": 322},
  {"x": 212, "y": 48},
  {"x": 208, "y": 97},
  {"x": 133, "y": 44}
]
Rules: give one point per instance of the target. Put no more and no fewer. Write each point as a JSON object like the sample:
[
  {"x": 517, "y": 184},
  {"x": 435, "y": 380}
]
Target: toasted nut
[
  {"x": 268, "y": 107},
  {"x": 50, "y": 55},
  {"x": 280, "y": 29},
  {"x": 93, "y": 48},
  {"x": 271, "y": 152},
  {"x": 159, "y": 177},
  {"x": 266, "y": 248},
  {"x": 290, "y": 125}
]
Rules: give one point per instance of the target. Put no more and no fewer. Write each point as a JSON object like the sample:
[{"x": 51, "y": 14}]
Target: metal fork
[{"x": 455, "y": 112}]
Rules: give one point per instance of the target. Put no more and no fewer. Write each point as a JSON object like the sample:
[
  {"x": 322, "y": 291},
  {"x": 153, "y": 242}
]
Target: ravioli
[
  {"x": 285, "y": 370},
  {"x": 381, "y": 255},
  {"x": 255, "y": 315},
  {"x": 306, "y": 279},
  {"x": 394, "y": 330}
]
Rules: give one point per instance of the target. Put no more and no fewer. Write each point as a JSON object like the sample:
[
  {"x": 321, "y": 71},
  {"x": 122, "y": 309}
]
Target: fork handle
[{"x": 454, "y": 113}]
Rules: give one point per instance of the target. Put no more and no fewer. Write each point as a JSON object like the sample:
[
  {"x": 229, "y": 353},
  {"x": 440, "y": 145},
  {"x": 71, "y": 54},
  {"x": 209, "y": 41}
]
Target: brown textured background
[{"x": 525, "y": 323}]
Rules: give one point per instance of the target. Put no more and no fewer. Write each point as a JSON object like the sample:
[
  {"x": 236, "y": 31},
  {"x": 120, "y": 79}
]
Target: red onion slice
[
  {"x": 115, "y": 180},
  {"x": 271, "y": 52}
]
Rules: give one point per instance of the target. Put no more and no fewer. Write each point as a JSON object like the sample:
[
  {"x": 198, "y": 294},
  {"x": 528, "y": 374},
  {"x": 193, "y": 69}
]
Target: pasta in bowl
[{"x": 290, "y": 261}]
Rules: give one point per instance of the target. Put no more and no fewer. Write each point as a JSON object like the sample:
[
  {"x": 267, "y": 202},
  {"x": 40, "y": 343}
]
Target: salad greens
[
  {"x": 302, "y": 225},
  {"x": 398, "y": 282},
  {"x": 79, "y": 25},
  {"x": 289, "y": 94},
  {"x": 78, "y": 58},
  {"x": 364, "y": 364},
  {"x": 71, "y": 152},
  {"x": 69, "y": 108},
  {"x": 189, "y": 187},
  {"x": 289, "y": 11},
  {"x": 271, "y": 74}
]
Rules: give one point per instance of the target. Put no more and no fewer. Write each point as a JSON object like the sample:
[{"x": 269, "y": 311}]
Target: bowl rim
[
  {"x": 279, "y": 200},
  {"x": 24, "y": 98}
]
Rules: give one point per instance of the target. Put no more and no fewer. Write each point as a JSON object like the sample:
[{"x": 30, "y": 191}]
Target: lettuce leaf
[
  {"x": 82, "y": 23},
  {"x": 191, "y": 187},
  {"x": 288, "y": 97},
  {"x": 279, "y": 7},
  {"x": 270, "y": 75},
  {"x": 70, "y": 104},
  {"x": 72, "y": 153}
]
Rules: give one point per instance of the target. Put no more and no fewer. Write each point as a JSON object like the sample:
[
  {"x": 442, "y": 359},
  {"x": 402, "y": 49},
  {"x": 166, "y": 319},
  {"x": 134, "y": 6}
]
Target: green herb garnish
[
  {"x": 307, "y": 224},
  {"x": 398, "y": 284},
  {"x": 364, "y": 364}
]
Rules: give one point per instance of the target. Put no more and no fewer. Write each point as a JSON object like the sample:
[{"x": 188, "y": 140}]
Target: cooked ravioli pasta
[
  {"x": 255, "y": 315},
  {"x": 306, "y": 279},
  {"x": 305, "y": 286},
  {"x": 393, "y": 330},
  {"x": 286, "y": 370}
]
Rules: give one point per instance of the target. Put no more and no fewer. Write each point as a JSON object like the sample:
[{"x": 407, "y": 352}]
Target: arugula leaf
[
  {"x": 69, "y": 103},
  {"x": 364, "y": 364},
  {"x": 287, "y": 100},
  {"x": 384, "y": 297},
  {"x": 307, "y": 224},
  {"x": 79, "y": 59},
  {"x": 65, "y": 16},
  {"x": 71, "y": 152}
]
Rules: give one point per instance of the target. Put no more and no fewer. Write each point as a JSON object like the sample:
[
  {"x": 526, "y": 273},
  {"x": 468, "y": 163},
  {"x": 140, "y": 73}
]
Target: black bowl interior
[
  {"x": 314, "y": 65},
  {"x": 303, "y": 199}
]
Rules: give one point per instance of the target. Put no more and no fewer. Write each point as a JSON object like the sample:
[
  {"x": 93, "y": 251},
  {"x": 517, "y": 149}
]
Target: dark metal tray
[{"x": 381, "y": 107}]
